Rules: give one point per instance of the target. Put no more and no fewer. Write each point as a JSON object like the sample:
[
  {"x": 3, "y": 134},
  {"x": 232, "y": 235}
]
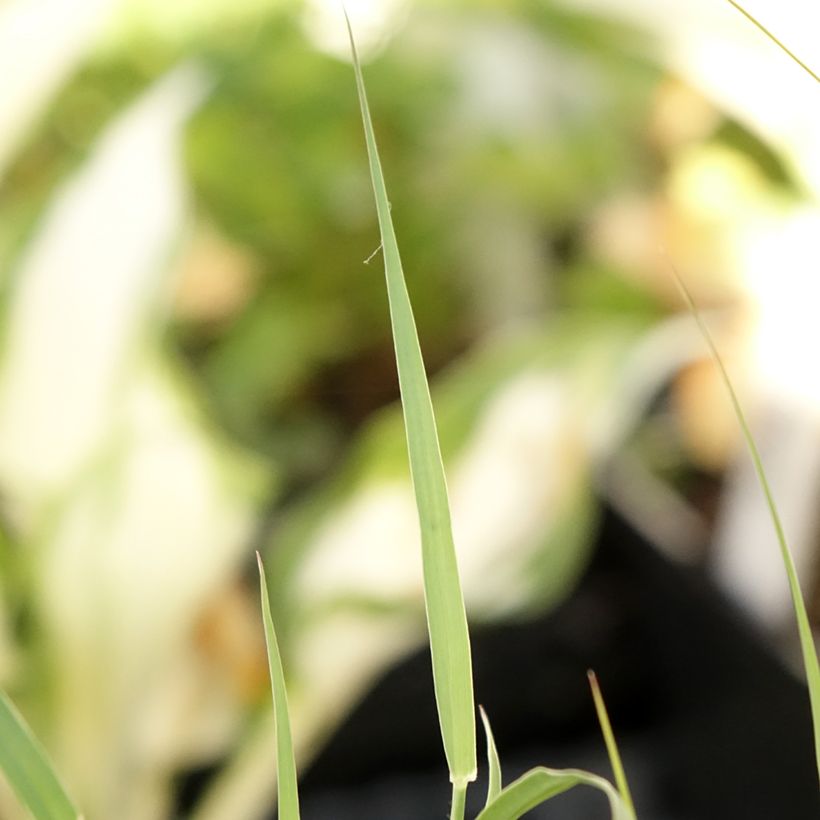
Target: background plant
[{"x": 211, "y": 409}]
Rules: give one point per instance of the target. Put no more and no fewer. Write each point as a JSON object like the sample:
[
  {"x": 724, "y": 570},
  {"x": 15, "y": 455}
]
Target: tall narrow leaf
[
  {"x": 446, "y": 619},
  {"x": 494, "y": 784},
  {"x": 609, "y": 739},
  {"x": 541, "y": 784},
  {"x": 28, "y": 770},
  {"x": 803, "y": 627},
  {"x": 288, "y": 795}
]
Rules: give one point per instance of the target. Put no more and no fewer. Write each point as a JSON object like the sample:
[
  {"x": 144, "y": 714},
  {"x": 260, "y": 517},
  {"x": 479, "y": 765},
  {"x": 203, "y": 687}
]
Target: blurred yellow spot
[
  {"x": 680, "y": 116},
  {"x": 716, "y": 184},
  {"x": 216, "y": 279}
]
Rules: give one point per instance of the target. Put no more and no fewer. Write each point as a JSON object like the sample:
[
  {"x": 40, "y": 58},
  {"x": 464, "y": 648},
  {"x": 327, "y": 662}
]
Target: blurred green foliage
[
  {"x": 275, "y": 160},
  {"x": 503, "y": 125}
]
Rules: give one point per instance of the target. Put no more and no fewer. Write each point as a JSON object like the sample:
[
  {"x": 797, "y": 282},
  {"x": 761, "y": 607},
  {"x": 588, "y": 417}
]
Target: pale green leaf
[
  {"x": 446, "y": 618},
  {"x": 494, "y": 784},
  {"x": 287, "y": 791},
  {"x": 27, "y": 769},
  {"x": 541, "y": 784}
]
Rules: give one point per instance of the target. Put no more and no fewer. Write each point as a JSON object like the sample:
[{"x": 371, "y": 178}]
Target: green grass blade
[
  {"x": 804, "y": 629},
  {"x": 287, "y": 791},
  {"x": 25, "y": 765},
  {"x": 541, "y": 784},
  {"x": 609, "y": 739},
  {"x": 782, "y": 46},
  {"x": 494, "y": 786},
  {"x": 446, "y": 618}
]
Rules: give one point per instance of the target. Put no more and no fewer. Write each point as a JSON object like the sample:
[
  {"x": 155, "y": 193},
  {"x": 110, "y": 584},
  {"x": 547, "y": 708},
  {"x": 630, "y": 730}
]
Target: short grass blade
[
  {"x": 541, "y": 784},
  {"x": 25, "y": 765},
  {"x": 287, "y": 791},
  {"x": 494, "y": 785},
  {"x": 807, "y": 646},
  {"x": 446, "y": 618},
  {"x": 609, "y": 739},
  {"x": 782, "y": 46}
]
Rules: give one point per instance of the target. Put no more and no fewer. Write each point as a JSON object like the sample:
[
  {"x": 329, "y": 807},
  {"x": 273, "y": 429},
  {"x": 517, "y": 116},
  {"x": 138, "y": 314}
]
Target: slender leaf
[
  {"x": 774, "y": 39},
  {"x": 446, "y": 618},
  {"x": 803, "y": 627},
  {"x": 287, "y": 791},
  {"x": 24, "y": 763},
  {"x": 540, "y": 784},
  {"x": 609, "y": 739},
  {"x": 494, "y": 785}
]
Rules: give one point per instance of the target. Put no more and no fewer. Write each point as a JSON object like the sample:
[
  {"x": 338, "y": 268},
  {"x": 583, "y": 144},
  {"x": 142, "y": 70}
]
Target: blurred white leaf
[
  {"x": 41, "y": 42},
  {"x": 85, "y": 292},
  {"x": 139, "y": 513}
]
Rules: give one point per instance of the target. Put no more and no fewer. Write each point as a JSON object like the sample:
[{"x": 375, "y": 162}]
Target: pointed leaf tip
[
  {"x": 494, "y": 784},
  {"x": 609, "y": 740},
  {"x": 288, "y": 793}
]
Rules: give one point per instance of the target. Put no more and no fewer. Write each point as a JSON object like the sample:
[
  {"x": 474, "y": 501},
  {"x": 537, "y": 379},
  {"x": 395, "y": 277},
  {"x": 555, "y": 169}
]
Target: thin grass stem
[
  {"x": 459, "y": 801},
  {"x": 807, "y": 646},
  {"x": 782, "y": 46}
]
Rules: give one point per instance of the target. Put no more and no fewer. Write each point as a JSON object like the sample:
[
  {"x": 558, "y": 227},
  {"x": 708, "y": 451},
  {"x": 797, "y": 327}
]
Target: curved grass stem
[{"x": 808, "y": 649}]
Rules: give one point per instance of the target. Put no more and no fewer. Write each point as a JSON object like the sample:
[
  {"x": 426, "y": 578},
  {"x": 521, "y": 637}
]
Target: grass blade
[
  {"x": 609, "y": 739},
  {"x": 782, "y": 46},
  {"x": 541, "y": 784},
  {"x": 807, "y": 646},
  {"x": 494, "y": 787},
  {"x": 446, "y": 618},
  {"x": 25, "y": 765},
  {"x": 287, "y": 791}
]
